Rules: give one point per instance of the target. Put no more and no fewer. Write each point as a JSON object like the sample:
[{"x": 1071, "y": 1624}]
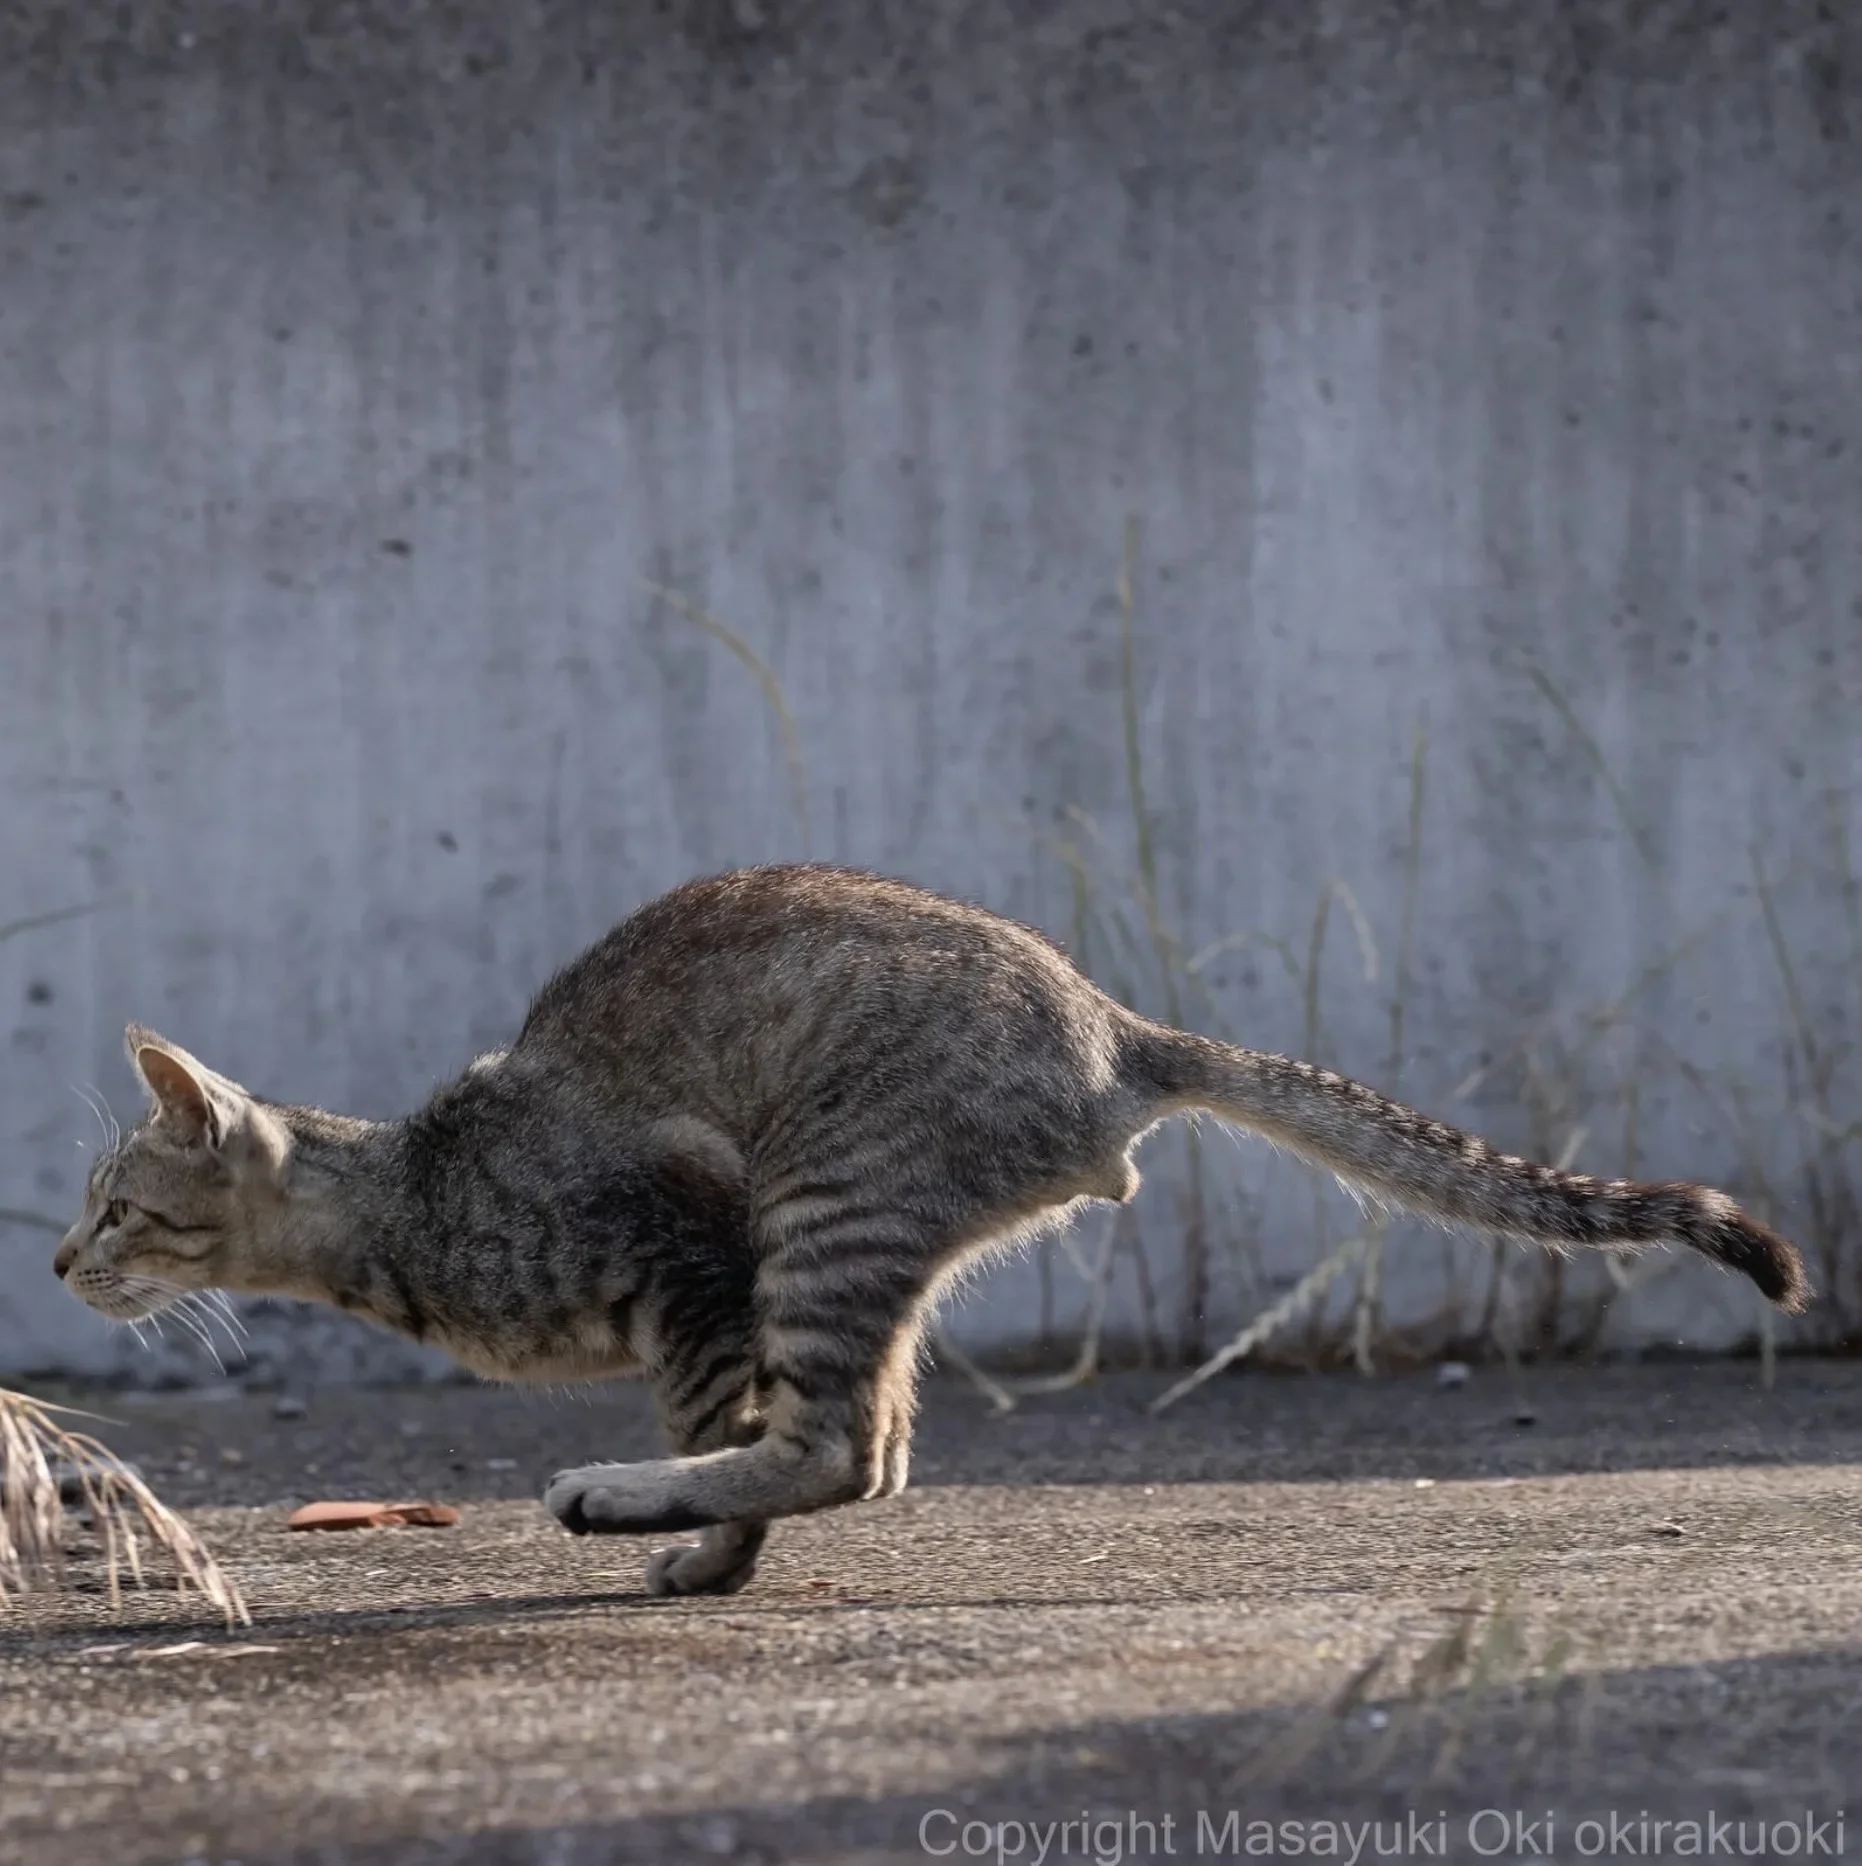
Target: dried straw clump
[{"x": 34, "y": 1449}]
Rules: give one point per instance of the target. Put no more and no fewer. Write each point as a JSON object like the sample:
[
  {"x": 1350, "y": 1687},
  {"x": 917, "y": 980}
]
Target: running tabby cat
[{"x": 739, "y": 1146}]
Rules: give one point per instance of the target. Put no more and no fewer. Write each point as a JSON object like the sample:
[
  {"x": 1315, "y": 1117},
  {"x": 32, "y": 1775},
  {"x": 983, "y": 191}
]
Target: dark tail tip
[{"x": 1772, "y": 1262}]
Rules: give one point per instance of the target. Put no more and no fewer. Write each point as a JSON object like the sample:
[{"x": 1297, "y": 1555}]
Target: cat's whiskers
[
  {"x": 156, "y": 1294},
  {"x": 229, "y": 1318},
  {"x": 189, "y": 1320},
  {"x": 106, "y": 1121},
  {"x": 211, "y": 1314}
]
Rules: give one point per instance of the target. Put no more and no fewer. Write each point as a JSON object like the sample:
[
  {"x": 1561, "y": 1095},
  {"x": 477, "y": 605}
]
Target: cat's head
[{"x": 172, "y": 1206}]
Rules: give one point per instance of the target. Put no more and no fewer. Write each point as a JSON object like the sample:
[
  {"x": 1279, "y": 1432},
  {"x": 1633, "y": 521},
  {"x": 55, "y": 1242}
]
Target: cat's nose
[{"x": 66, "y": 1257}]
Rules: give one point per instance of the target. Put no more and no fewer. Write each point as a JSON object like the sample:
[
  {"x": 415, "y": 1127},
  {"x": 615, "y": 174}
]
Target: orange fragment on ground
[
  {"x": 422, "y": 1515},
  {"x": 373, "y": 1516}
]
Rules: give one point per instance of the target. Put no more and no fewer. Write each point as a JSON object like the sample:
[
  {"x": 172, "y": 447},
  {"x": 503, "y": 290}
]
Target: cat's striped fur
[{"x": 739, "y": 1146}]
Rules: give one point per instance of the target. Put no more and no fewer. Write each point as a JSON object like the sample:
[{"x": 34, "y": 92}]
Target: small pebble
[
  {"x": 500, "y": 1464},
  {"x": 1525, "y": 1418},
  {"x": 71, "y": 1483},
  {"x": 1666, "y": 1529},
  {"x": 714, "y": 1833},
  {"x": 289, "y": 1406},
  {"x": 1452, "y": 1374}
]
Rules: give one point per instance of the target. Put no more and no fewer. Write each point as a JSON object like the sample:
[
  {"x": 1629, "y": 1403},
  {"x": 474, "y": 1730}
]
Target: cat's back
[{"x": 747, "y": 954}]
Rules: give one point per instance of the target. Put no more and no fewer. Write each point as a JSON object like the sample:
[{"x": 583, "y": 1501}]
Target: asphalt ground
[{"x": 1475, "y": 1619}]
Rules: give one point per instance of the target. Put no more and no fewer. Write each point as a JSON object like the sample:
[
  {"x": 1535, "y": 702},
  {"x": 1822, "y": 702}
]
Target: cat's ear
[{"x": 196, "y": 1105}]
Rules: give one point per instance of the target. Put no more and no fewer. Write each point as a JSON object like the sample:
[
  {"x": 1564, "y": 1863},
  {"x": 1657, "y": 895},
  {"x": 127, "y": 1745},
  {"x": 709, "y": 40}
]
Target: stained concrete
[{"x": 1493, "y": 372}]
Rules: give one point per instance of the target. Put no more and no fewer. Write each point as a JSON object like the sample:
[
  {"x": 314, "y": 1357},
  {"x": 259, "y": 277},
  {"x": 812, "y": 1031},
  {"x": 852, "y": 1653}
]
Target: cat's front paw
[
  {"x": 616, "y": 1500},
  {"x": 570, "y": 1494}
]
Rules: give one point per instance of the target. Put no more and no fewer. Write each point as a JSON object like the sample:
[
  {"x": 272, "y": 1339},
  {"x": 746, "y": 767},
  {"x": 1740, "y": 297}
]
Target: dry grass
[
  {"x": 1409, "y": 1708},
  {"x": 35, "y": 1451},
  {"x": 1576, "y": 1078},
  {"x": 123, "y": 1512}
]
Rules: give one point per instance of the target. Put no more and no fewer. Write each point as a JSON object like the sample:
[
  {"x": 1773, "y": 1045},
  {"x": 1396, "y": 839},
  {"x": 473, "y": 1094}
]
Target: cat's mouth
[
  {"x": 207, "y": 1315},
  {"x": 123, "y": 1298}
]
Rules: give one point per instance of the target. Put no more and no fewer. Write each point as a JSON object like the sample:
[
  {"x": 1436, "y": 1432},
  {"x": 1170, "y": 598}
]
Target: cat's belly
[{"x": 589, "y": 1350}]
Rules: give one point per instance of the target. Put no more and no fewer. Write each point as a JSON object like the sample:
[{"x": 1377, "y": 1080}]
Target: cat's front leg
[
  {"x": 706, "y": 1401},
  {"x": 653, "y": 1499}
]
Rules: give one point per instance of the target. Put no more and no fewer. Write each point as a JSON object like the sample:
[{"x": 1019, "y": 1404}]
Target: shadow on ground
[{"x": 1482, "y": 1773}]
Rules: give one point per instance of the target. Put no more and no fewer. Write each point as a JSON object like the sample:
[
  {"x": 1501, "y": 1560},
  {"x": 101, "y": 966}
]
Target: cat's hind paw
[{"x": 690, "y": 1568}]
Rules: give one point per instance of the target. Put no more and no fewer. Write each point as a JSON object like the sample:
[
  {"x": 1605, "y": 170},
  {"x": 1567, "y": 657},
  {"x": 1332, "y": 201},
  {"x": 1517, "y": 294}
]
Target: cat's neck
[{"x": 342, "y": 1231}]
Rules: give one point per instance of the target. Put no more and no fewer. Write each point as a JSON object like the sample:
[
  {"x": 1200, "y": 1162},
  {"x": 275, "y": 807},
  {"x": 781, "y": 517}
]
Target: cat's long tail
[{"x": 1397, "y": 1155}]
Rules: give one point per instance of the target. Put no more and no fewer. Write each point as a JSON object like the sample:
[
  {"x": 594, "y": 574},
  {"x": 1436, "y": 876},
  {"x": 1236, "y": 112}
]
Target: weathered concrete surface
[
  {"x": 363, "y": 368},
  {"x": 1079, "y": 1610}
]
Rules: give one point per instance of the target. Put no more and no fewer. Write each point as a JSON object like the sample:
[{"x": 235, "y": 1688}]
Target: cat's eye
[{"x": 115, "y": 1212}]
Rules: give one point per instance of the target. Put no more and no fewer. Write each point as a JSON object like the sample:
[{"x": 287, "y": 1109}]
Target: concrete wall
[{"x": 364, "y": 366}]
